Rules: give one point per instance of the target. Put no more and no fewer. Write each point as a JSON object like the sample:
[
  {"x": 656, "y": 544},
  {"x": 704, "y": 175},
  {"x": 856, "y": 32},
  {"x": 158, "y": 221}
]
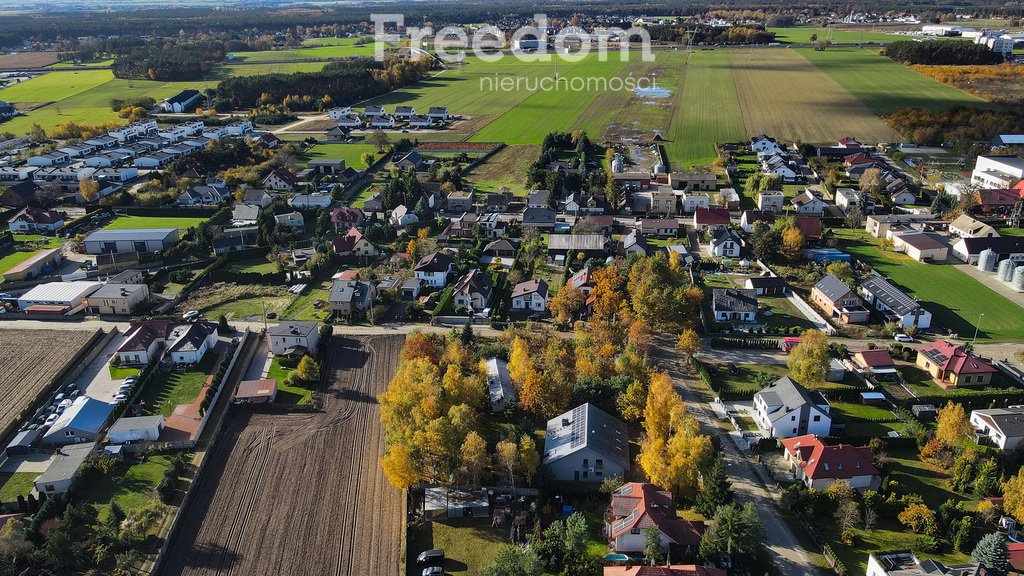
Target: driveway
[{"x": 95, "y": 381}]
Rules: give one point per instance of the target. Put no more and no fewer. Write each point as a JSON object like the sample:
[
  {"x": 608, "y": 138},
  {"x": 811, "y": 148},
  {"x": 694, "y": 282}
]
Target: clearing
[
  {"x": 350, "y": 153},
  {"x": 236, "y": 301},
  {"x": 506, "y": 168},
  {"x": 310, "y": 478}
]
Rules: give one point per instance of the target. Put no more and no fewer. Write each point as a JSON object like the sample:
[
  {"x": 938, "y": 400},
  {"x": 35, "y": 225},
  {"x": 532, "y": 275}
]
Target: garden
[{"x": 169, "y": 388}]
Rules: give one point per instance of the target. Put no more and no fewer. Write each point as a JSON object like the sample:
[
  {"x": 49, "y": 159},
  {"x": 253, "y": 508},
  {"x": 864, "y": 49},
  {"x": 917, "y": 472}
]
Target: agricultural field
[
  {"x": 328, "y": 50},
  {"x": 350, "y": 153},
  {"x": 954, "y": 298},
  {"x": 853, "y": 35},
  {"x": 27, "y": 60},
  {"x": 506, "y": 168},
  {"x": 130, "y": 222},
  {"x": 29, "y": 361},
  {"x": 312, "y": 479}
]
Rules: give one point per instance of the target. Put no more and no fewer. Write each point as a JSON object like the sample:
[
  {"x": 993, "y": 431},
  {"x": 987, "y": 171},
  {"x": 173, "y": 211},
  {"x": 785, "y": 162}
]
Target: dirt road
[{"x": 301, "y": 494}]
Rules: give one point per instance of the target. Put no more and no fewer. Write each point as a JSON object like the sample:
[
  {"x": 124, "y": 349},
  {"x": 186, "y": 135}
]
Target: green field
[
  {"x": 802, "y": 35},
  {"x": 130, "y": 222},
  {"x": 14, "y": 484},
  {"x": 350, "y": 153},
  {"x": 12, "y": 259},
  {"x": 287, "y": 394},
  {"x": 169, "y": 389},
  {"x": 954, "y": 298},
  {"x": 469, "y": 544},
  {"x": 328, "y": 51}
]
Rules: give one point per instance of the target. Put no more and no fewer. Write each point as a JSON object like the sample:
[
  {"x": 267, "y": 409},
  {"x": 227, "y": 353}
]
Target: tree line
[
  {"x": 951, "y": 52},
  {"x": 959, "y": 125},
  {"x": 169, "y": 62}
]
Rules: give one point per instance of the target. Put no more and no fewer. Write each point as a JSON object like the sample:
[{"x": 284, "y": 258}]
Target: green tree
[
  {"x": 367, "y": 158},
  {"x": 736, "y": 530},
  {"x": 840, "y": 270},
  {"x": 991, "y": 553},
  {"x": 986, "y": 478},
  {"x": 652, "y": 545},
  {"x": 715, "y": 490},
  {"x": 514, "y": 561},
  {"x": 308, "y": 370}
]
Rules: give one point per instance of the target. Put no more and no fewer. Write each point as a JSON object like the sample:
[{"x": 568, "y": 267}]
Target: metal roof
[
  {"x": 833, "y": 288},
  {"x": 60, "y": 291},
  {"x": 587, "y": 426},
  {"x": 64, "y": 467},
  {"x": 136, "y": 234}
]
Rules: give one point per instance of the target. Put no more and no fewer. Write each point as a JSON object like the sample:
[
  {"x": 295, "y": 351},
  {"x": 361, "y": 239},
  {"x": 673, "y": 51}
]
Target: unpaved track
[{"x": 301, "y": 494}]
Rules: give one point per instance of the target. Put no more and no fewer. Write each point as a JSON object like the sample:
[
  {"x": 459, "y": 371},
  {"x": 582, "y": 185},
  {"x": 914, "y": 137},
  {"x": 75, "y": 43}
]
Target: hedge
[
  {"x": 445, "y": 302},
  {"x": 759, "y": 343},
  {"x": 972, "y": 399},
  {"x": 171, "y": 212}
]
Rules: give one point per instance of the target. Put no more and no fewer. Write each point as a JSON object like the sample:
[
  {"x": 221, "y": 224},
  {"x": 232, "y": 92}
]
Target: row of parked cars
[
  {"x": 433, "y": 560},
  {"x": 48, "y": 414}
]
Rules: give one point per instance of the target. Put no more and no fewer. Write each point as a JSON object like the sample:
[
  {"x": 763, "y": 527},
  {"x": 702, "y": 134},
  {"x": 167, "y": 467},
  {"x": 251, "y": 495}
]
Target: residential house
[
  {"x": 184, "y": 101},
  {"x": 374, "y": 203},
  {"x": 404, "y": 112},
  {"x": 734, "y": 305},
  {"x": 438, "y": 114},
  {"x": 540, "y": 218},
  {"x": 121, "y": 299},
  {"x": 187, "y": 344},
  {"x": 501, "y": 248},
  {"x": 499, "y": 384},
  {"x": 808, "y": 203},
  {"x": 268, "y": 141},
  {"x": 907, "y": 564},
  {"x": 199, "y": 195},
  {"x": 818, "y": 465},
  {"x": 411, "y": 161},
  {"x": 339, "y": 133},
  {"x": 491, "y": 224},
  {"x": 876, "y": 364},
  {"x": 637, "y": 507},
  {"x": 460, "y": 201},
  {"x": 849, "y": 199},
  {"x": 766, "y": 285},
  {"x": 310, "y": 201},
  {"x": 473, "y": 291},
  {"x": 373, "y": 111},
  {"x": 434, "y": 269},
  {"x": 724, "y": 244},
  {"x": 779, "y": 165},
  {"x": 1005, "y": 248},
  {"x": 131, "y": 240},
  {"x": 281, "y": 179},
  {"x": 354, "y": 243},
  {"x": 292, "y": 219},
  {"x": 381, "y": 122},
  {"x": 351, "y": 299},
  {"x": 661, "y": 200},
  {"x": 691, "y": 201},
  {"x": 401, "y": 217},
  {"x": 660, "y": 227},
  {"x": 135, "y": 429},
  {"x": 538, "y": 199},
  {"x": 729, "y": 198},
  {"x": 326, "y": 166},
  {"x": 244, "y": 215},
  {"x": 32, "y": 219},
  {"x": 235, "y": 239},
  {"x": 708, "y": 219},
  {"x": 465, "y": 226},
  {"x": 349, "y": 122},
  {"x": 294, "y": 338},
  {"x": 763, "y": 144},
  {"x": 751, "y": 217},
  {"x": 902, "y": 197},
  {"x": 692, "y": 180},
  {"x": 786, "y": 409},
  {"x": 849, "y": 142},
  {"x": 586, "y": 444},
  {"x": 344, "y": 218},
  {"x": 997, "y": 172},
  {"x": 582, "y": 203},
  {"x": 771, "y": 201},
  {"x": 839, "y": 301},
  {"x": 1002, "y": 427},
  {"x": 257, "y": 198},
  {"x": 635, "y": 243},
  {"x": 996, "y": 203},
  {"x": 879, "y": 225},
  {"x": 142, "y": 340},
  {"x": 582, "y": 281},
  {"x": 81, "y": 422},
  {"x": 951, "y": 365},
  {"x": 339, "y": 111},
  {"x": 420, "y": 121},
  {"x": 893, "y": 304},
  {"x": 963, "y": 226},
  {"x": 569, "y": 246},
  {"x": 531, "y": 296},
  {"x": 921, "y": 246}
]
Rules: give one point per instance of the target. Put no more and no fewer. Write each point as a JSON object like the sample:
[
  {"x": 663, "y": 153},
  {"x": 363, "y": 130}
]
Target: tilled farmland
[
  {"x": 29, "y": 361},
  {"x": 297, "y": 494}
]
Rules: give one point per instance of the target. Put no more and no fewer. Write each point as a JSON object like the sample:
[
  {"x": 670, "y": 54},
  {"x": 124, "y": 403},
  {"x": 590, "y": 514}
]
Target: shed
[
  {"x": 22, "y": 443},
  {"x": 441, "y": 502},
  {"x": 61, "y": 473},
  {"x": 836, "y": 371},
  {"x": 924, "y": 412},
  {"x": 872, "y": 398},
  {"x": 133, "y": 429},
  {"x": 256, "y": 392}
]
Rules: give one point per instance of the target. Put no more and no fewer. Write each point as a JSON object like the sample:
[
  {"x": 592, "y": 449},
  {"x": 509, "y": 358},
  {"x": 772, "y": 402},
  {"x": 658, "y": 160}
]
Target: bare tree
[{"x": 870, "y": 518}]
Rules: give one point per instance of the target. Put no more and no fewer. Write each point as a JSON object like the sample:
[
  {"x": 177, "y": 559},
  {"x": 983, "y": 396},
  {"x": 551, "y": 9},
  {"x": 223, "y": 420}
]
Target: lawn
[
  {"x": 132, "y": 484},
  {"x": 469, "y": 545},
  {"x": 350, "y": 153},
  {"x": 783, "y": 313},
  {"x": 954, "y": 298},
  {"x": 252, "y": 266},
  {"x": 854, "y": 411},
  {"x": 287, "y": 394},
  {"x": 130, "y": 222},
  {"x": 120, "y": 373},
  {"x": 50, "y": 241},
  {"x": 802, "y": 35},
  {"x": 253, "y": 308},
  {"x": 305, "y": 308},
  {"x": 328, "y": 51},
  {"x": 169, "y": 389},
  {"x": 14, "y": 484},
  {"x": 745, "y": 377}
]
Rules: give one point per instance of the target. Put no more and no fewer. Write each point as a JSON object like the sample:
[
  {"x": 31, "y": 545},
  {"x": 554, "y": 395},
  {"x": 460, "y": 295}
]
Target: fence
[{"x": 226, "y": 380}]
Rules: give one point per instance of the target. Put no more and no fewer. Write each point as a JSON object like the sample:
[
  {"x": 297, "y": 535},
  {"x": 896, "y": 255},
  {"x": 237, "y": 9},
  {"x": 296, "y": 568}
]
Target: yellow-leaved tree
[
  {"x": 808, "y": 361},
  {"x": 673, "y": 450},
  {"x": 952, "y": 425}
]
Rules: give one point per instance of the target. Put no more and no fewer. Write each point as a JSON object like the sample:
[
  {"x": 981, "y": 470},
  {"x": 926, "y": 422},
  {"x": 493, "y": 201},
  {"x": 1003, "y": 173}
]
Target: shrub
[{"x": 165, "y": 490}]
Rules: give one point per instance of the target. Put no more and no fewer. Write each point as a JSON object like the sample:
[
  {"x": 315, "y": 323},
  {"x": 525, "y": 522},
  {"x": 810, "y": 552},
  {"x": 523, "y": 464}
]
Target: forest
[
  {"x": 1002, "y": 83},
  {"x": 957, "y": 125},
  {"x": 712, "y": 34},
  {"x": 950, "y": 53},
  {"x": 169, "y": 63}
]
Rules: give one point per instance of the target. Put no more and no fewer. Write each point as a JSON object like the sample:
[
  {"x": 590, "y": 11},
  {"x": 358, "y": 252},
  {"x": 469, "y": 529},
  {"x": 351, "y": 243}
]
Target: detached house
[
  {"x": 808, "y": 203},
  {"x": 499, "y": 384},
  {"x": 1003, "y": 427},
  {"x": 290, "y": 220},
  {"x": 819, "y": 465},
  {"x": 281, "y": 179},
  {"x": 401, "y": 217},
  {"x": 354, "y": 243},
  {"x": 474, "y": 290},
  {"x": 586, "y": 444},
  {"x": 637, "y": 507},
  {"x": 951, "y": 365},
  {"x": 257, "y": 198},
  {"x": 344, "y": 218},
  {"x": 839, "y": 301},
  {"x": 734, "y": 305},
  {"x": 635, "y": 243},
  {"x": 660, "y": 227},
  {"x": 771, "y": 201},
  {"x": 531, "y": 296},
  {"x": 724, "y": 244},
  {"x": 434, "y": 269},
  {"x": 32, "y": 219},
  {"x": 893, "y": 304},
  {"x": 707, "y": 219},
  {"x": 351, "y": 299},
  {"x": 310, "y": 201},
  {"x": 294, "y": 338},
  {"x": 749, "y": 218},
  {"x": 787, "y": 409}
]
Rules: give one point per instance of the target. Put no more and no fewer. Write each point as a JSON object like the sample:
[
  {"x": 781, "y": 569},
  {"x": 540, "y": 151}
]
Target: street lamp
[{"x": 976, "y": 326}]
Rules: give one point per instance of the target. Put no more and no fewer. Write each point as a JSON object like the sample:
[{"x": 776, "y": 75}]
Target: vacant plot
[
  {"x": 883, "y": 85},
  {"x": 29, "y": 361},
  {"x": 709, "y": 111},
  {"x": 27, "y": 60},
  {"x": 954, "y": 298},
  {"x": 236, "y": 301},
  {"x": 802, "y": 35},
  {"x": 811, "y": 108},
  {"x": 350, "y": 153},
  {"x": 507, "y": 168},
  {"x": 326, "y": 52},
  {"x": 312, "y": 479},
  {"x": 132, "y": 484},
  {"x": 131, "y": 222}
]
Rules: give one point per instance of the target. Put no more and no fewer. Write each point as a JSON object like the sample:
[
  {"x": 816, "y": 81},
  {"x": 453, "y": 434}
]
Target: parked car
[
  {"x": 50, "y": 420},
  {"x": 433, "y": 571},
  {"x": 190, "y": 315},
  {"x": 64, "y": 403},
  {"x": 120, "y": 396},
  {"x": 58, "y": 398},
  {"x": 434, "y": 556},
  {"x": 902, "y": 338}
]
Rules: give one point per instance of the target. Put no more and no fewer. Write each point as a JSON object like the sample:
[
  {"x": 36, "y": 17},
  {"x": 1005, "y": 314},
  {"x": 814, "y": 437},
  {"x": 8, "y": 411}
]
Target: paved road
[{"x": 785, "y": 550}]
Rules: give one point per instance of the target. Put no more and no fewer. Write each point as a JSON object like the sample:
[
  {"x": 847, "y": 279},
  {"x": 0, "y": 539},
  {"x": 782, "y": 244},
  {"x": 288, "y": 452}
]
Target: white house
[
  {"x": 907, "y": 564},
  {"x": 338, "y": 112},
  {"x": 136, "y": 429},
  {"x": 385, "y": 121},
  {"x": 32, "y": 219},
  {"x": 771, "y": 201},
  {"x": 893, "y": 303},
  {"x": 1004, "y": 427},
  {"x": 310, "y": 201},
  {"x": 818, "y": 465},
  {"x": 848, "y": 198},
  {"x": 763, "y": 144},
  {"x": 187, "y": 344},
  {"x": 724, "y": 244},
  {"x": 1000, "y": 172},
  {"x": 401, "y": 217},
  {"x": 438, "y": 114},
  {"x": 786, "y": 409},
  {"x": 531, "y": 295},
  {"x": 963, "y": 226},
  {"x": 808, "y": 203},
  {"x": 294, "y": 337},
  {"x": 184, "y": 101},
  {"x": 693, "y": 200},
  {"x": 736, "y": 305},
  {"x": 474, "y": 290},
  {"x": 290, "y": 220},
  {"x": 434, "y": 269}
]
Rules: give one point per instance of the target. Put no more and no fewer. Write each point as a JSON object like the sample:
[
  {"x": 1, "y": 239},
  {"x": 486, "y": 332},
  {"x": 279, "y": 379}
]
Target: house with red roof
[
  {"x": 345, "y": 217},
  {"x": 1016, "y": 550},
  {"x": 637, "y": 506},
  {"x": 707, "y": 219},
  {"x": 995, "y": 201},
  {"x": 819, "y": 465},
  {"x": 354, "y": 243},
  {"x": 810, "y": 226},
  {"x": 671, "y": 570},
  {"x": 849, "y": 142},
  {"x": 877, "y": 362},
  {"x": 1019, "y": 187},
  {"x": 32, "y": 219},
  {"x": 953, "y": 366},
  {"x": 858, "y": 159}
]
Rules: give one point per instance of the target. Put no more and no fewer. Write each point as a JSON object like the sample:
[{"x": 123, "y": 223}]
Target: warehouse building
[
  {"x": 57, "y": 298},
  {"x": 130, "y": 240}
]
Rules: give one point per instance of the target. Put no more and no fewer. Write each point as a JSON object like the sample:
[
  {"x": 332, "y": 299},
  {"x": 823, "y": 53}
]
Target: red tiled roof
[
  {"x": 858, "y": 159},
  {"x": 703, "y": 216},
  {"x": 34, "y": 215},
  {"x": 875, "y": 358},
  {"x": 956, "y": 359},
  {"x": 347, "y": 243},
  {"x": 849, "y": 140},
  {"x": 819, "y": 460},
  {"x": 642, "y": 505},
  {"x": 810, "y": 226},
  {"x": 998, "y": 197},
  {"x": 674, "y": 570}
]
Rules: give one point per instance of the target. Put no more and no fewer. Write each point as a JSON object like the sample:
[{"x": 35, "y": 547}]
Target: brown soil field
[
  {"x": 783, "y": 94},
  {"x": 28, "y": 60},
  {"x": 29, "y": 361},
  {"x": 301, "y": 494}
]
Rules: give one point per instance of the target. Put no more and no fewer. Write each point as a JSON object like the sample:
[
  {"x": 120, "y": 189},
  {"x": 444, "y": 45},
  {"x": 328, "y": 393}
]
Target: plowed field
[{"x": 290, "y": 495}]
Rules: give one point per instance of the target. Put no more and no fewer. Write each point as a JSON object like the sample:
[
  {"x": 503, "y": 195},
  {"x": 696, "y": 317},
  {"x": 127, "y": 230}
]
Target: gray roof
[
  {"x": 113, "y": 290},
  {"x": 897, "y": 301},
  {"x": 434, "y": 262},
  {"x": 576, "y": 242},
  {"x": 539, "y": 215},
  {"x": 293, "y": 328},
  {"x": 66, "y": 464},
  {"x": 587, "y": 427},
  {"x": 723, "y": 235},
  {"x": 139, "y": 234},
  {"x": 833, "y": 288},
  {"x": 767, "y": 282},
  {"x": 538, "y": 196},
  {"x": 127, "y": 424},
  {"x": 787, "y": 393},
  {"x": 734, "y": 300},
  {"x": 1009, "y": 421},
  {"x": 349, "y": 291},
  {"x": 634, "y": 238}
]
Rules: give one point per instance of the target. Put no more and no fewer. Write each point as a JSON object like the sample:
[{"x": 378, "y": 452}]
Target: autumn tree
[
  {"x": 840, "y": 270},
  {"x": 673, "y": 450},
  {"x": 952, "y": 424},
  {"x": 808, "y": 361},
  {"x": 871, "y": 181},
  {"x": 380, "y": 139},
  {"x": 1013, "y": 495},
  {"x": 609, "y": 286},
  {"x": 400, "y": 466},
  {"x": 689, "y": 342},
  {"x": 308, "y": 370},
  {"x": 529, "y": 459},
  {"x": 567, "y": 304},
  {"x": 89, "y": 189},
  {"x": 507, "y": 455},
  {"x": 792, "y": 248},
  {"x": 367, "y": 158},
  {"x": 474, "y": 457},
  {"x": 36, "y": 133},
  {"x": 919, "y": 518}
]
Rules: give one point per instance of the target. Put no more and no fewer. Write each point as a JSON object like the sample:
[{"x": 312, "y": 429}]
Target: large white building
[
  {"x": 787, "y": 409},
  {"x": 997, "y": 172},
  {"x": 57, "y": 297}
]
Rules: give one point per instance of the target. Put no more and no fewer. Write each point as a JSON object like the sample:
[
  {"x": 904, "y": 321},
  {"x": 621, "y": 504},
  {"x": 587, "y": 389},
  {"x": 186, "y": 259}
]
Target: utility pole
[{"x": 976, "y": 326}]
